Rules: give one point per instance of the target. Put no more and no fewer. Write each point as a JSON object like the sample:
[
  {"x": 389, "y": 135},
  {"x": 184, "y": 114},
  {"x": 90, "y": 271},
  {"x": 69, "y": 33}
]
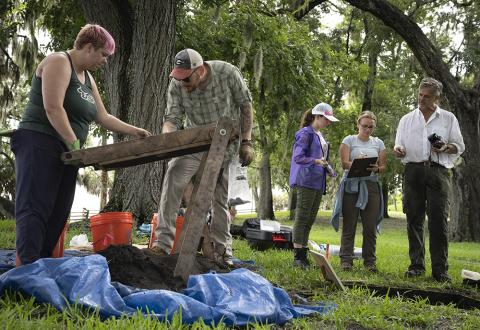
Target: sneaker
[
  {"x": 372, "y": 268},
  {"x": 414, "y": 273},
  {"x": 346, "y": 266},
  {"x": 442, "y": 277}
]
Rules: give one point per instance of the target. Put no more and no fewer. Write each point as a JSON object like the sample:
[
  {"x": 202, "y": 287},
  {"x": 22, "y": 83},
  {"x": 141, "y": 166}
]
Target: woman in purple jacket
[{"x": 308, "y": 172}]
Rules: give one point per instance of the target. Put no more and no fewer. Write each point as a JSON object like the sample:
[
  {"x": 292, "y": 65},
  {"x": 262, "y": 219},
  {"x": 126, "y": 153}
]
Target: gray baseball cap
[{"x": 186, "y": 61}]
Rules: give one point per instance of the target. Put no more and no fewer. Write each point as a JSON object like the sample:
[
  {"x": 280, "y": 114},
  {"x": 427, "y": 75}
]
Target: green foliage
[
  {"x": 19, "y": 54},
  {"x": 18, "y": 48},
  {"x": 7, "y": 234},
  {"x": 63, "y": 31}
]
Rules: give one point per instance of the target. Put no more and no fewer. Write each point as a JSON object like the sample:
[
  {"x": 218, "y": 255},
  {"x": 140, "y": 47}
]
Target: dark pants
[
  {"x": 308, "y": 202},
  {"x": 426, "y": 190},
  {"x": 369, "y": 218},
  {"x": 45, "y": 188}
]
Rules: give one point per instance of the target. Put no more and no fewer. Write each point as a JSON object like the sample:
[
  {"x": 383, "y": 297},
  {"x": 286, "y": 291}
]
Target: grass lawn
[{"x": 358, "y": 308}]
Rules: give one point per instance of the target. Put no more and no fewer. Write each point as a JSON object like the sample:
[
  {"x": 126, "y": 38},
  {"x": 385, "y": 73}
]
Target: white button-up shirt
[{"x": 413, "y": 132}]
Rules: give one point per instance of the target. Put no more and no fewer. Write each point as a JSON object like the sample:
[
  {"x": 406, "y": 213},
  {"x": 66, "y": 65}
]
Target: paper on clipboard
[{"x": 360, "y": 167}]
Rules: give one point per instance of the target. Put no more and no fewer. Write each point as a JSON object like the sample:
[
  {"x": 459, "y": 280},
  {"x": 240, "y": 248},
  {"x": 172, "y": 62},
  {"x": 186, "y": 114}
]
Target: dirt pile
[{"x": 142, "y": 268}]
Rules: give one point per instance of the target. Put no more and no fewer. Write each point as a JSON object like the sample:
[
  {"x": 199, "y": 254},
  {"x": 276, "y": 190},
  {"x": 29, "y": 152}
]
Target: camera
[{"x": 436, "y": 140}]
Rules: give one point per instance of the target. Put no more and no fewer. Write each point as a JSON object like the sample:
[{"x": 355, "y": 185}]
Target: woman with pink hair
[{"x": 63, "y": 101}]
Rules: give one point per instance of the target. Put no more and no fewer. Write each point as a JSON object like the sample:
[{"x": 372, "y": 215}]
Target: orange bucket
[
  {"x": 57, "y": 250},
  {"x": 111, "y": 228},
  {"x": 178, "y": 230},
  {"x": 153, "y": 237}
]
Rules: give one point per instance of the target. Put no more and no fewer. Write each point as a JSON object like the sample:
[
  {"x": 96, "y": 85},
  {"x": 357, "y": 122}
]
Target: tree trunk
[
  {"x": 385, "y": 200},
  {"x": 370, "y": 83},
  {"x": 465, "y": 202},
  {"x": 136, "y": 81},
  {"x": 265, "y": 207},
  {"x": 292, "y": 203},
  {"x": 265, "y": 203},
  {"x": 256, "y": 198},
  {"x": 7, "y": 208}
]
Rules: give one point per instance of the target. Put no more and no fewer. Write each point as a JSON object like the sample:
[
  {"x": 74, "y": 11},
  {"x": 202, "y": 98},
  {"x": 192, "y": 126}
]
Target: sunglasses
[
  {"x": 367, "y": 126},
  {"x": 187, "y": 80}
]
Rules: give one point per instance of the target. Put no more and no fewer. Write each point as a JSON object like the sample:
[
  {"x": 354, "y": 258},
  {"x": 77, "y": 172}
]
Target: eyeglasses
[
  {"x": 367, "y": 126},
  {"x": 187, "y": 80}
]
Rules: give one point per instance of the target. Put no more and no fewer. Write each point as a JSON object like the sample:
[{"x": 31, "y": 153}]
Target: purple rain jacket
[{"x": 303, "y": 170}]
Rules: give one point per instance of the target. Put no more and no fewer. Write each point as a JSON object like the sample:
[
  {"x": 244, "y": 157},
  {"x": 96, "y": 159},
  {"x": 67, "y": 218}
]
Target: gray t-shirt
[{"x": 370, "y": 148}]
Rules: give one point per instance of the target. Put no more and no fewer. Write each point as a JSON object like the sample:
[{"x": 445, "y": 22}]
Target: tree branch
[
  {"x": 419, "y": 4},
  {"x": 426, "y": 53},
  {"x": 455, "y": 53},
  {"x": 302, "y": 7},
  {"x": 350, "y": 23},
  {"x": 9, "y": 58},
  {"x": 10, "y": 159},
  {"x": 460, "y": 4}
]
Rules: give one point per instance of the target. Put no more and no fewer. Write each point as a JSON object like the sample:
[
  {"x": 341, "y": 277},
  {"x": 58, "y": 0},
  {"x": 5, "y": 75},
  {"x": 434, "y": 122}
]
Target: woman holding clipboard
[
  {"x": 308, "y": 173},
  {"x": 360, "y": 192}
]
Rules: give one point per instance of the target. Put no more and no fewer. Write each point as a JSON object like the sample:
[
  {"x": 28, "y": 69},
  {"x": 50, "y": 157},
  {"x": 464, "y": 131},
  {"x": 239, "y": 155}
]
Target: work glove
[
  {"x": 246, "y": 154},
  {"x": 75, "y": 145}
]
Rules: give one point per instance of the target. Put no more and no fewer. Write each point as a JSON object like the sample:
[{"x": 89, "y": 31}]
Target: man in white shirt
[{"x": 428, "y": 142}]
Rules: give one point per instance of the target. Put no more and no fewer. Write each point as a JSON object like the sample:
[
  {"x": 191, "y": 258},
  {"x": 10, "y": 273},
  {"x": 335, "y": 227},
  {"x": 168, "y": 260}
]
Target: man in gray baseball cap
[
  {"x": 186, "y": 62},
  {"x": 200, "y": 93}
]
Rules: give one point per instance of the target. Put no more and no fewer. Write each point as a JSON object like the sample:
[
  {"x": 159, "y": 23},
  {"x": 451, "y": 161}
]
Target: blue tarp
[{"x": 236, "y": 298}]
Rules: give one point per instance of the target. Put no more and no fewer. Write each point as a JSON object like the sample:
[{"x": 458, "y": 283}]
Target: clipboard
[{"x": 359, "y": 167}]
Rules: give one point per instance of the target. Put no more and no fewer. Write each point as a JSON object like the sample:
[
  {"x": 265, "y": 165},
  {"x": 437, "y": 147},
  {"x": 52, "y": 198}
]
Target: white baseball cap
[{"x": 325, "y": 110}]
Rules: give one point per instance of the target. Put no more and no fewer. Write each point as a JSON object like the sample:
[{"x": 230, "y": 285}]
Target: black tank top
[{"x": 78, "y": 103}]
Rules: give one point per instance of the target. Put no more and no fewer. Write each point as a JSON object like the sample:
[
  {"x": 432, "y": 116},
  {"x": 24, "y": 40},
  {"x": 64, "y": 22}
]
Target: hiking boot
[
  {"x": 414, "y": 273},
  {"x": 228, "y": 260},
  {"x": 157, "y": 250},
  {"x": 301, "y": 263},
  {"x": 300, "y": 258},
  {"x": 221, "y": 257},
  {"x": 346, "y": 266},
  {"x": 372, "y": 268},
  {"x": 223, "y": 261},
  {"x": 442, "y": 277}
]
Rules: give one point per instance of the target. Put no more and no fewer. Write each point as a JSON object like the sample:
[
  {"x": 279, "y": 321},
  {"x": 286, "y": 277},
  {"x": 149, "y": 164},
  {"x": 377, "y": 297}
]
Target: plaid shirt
[{"x": 224, "y": 96}]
